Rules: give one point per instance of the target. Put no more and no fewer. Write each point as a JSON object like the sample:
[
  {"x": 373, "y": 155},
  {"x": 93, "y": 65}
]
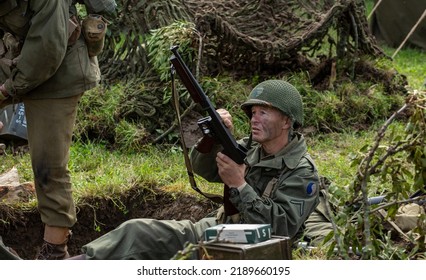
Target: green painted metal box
[{"x": 276, "y": 248}]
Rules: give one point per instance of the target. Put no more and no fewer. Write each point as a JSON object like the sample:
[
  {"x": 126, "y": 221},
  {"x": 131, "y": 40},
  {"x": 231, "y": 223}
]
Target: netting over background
[
  {"x": 327, "y": 41},
  {"x": 249, "y": 36}
]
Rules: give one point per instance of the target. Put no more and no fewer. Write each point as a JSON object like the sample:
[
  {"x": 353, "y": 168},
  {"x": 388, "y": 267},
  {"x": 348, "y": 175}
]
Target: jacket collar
[{"x": 289, "y": 156}]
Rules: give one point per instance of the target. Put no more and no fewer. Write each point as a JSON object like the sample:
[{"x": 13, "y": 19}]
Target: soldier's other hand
[
  {"x": 231, "y": 173},
  {"x": 226, "y": 118}
]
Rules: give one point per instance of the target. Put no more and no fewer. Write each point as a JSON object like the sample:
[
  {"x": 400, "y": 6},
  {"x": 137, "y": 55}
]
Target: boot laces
[{"x": 53, "y": 252}]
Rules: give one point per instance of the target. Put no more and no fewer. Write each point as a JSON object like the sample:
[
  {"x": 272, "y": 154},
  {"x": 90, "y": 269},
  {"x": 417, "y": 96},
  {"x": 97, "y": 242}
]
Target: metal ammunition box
[
  {"x": 276, "y": 248},
  {"x": 15, "y": 124}
]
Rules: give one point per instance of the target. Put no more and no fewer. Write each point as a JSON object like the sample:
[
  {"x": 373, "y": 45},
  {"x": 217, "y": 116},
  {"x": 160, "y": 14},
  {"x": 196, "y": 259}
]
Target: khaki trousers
[
  {"x": 318, "y": 225},
  {"x": 147, "y": 239},
  {"x": 50, "y": 124}
]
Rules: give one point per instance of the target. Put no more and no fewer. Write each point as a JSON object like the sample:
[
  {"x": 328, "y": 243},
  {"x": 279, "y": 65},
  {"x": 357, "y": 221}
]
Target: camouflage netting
[
  {"x": 247, "y": 36},
  {"x": 326, "y": 39}
]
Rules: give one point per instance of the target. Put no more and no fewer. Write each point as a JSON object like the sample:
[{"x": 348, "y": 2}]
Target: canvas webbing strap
[
  {"x": 213, "y": 197},
  {"x": 269, "y": 187}
]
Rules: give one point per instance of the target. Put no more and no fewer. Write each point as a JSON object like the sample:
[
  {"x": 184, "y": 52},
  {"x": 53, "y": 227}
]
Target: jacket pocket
[{"x": 82, "y": 68}]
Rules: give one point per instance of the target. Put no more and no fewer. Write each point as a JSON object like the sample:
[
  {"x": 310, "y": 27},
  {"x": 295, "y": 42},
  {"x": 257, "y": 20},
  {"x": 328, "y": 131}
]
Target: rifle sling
[{"x": 213, "y": 197}]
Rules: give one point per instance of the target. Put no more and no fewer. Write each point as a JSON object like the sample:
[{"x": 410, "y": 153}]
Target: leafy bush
[{"x": 395, "y": 161}]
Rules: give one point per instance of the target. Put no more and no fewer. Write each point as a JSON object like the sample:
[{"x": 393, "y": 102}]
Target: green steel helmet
[{"x": 280, "y": 95}]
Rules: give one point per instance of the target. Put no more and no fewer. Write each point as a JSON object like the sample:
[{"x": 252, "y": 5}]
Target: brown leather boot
[{"x": 55, "y": 244}]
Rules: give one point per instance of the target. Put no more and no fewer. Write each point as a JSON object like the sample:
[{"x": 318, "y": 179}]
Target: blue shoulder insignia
[{"x": 311, "y": 189}]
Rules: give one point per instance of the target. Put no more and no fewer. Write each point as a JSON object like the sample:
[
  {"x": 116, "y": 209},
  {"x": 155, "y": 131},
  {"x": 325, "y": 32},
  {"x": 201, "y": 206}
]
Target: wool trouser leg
[
  {"x": 147, "y": 239},
  {"x": 318, "y": 225},
  {"x": 50, "y": 124}
]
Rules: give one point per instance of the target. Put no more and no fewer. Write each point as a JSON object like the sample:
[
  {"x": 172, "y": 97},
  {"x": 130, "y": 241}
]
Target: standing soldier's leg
[{"x": 50, "y": 127}]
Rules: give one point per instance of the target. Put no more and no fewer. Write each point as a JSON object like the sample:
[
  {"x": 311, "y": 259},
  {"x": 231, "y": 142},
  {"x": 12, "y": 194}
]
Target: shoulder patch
[{"x": 311, "y": 189}]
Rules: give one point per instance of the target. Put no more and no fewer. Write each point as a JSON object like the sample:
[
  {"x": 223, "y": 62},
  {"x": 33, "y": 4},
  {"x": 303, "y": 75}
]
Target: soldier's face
[{"x": 268, "y": 125}]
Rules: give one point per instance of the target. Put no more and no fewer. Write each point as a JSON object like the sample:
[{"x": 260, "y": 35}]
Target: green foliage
[
  {"x": 350, "y": 105},
  {"x": 97, "y": 113},
  {"x": 129, "y": 136},
  {"x": 396, "y": 162},
  {"x": 121, "y": 116},
  {"x": 161, "y": 40}
]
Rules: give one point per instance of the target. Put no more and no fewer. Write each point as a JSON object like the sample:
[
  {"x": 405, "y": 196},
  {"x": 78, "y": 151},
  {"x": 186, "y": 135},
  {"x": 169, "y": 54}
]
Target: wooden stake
[
  {"x": 409, "y": 34},
  {"x": 374, "y": 9}
]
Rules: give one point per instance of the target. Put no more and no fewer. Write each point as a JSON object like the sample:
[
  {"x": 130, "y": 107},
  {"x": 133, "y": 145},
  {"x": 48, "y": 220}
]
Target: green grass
[
  {"x": 332, "y": 154},
  {"x": 410, "y": 62},
  {"x": 98, "y": 170}
]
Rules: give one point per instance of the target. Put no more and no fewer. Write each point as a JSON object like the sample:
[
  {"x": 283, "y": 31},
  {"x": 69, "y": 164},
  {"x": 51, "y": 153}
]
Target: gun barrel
[
  {"x": 376, "y": 199},
  {"x": 187, "y": 79}
]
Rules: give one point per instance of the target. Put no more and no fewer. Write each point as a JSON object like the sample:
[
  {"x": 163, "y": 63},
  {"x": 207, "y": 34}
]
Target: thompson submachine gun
[{"x": 211, "y": 125}]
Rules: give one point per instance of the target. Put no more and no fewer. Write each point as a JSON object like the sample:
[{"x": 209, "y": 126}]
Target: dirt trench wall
[{"x": 23, "y": 230}]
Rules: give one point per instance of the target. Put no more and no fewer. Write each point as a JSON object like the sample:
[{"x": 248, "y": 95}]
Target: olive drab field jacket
[
  {"x": 48, "y": 66},
  {"x": 294, "y": 195}
]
